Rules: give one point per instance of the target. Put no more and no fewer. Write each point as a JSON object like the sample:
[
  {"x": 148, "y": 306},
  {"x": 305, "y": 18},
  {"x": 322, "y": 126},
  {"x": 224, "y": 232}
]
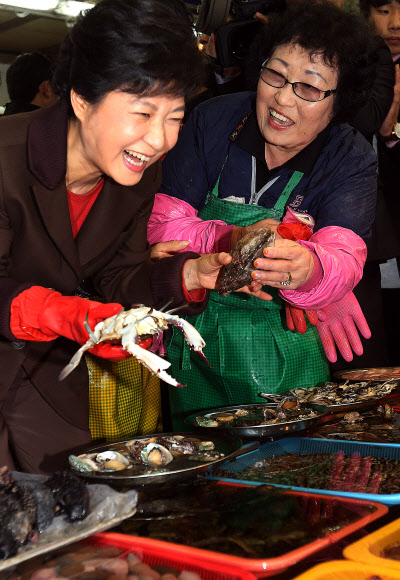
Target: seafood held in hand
[
  {"x": 131, "y": 326},
  {"x": 258, "y": 415},
  {"x": 237, "y": 273},
  {"x": 153, "y": 453},
  {"x": 331, "y": 394}
]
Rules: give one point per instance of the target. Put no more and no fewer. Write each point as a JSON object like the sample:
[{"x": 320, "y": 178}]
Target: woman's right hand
[
  {"x": 203, "y": 272},
  {"x": 239, "y": 232}
]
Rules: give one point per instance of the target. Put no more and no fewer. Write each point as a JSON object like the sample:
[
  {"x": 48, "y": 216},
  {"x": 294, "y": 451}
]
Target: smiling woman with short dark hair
[{"x": 278, "y": 158}]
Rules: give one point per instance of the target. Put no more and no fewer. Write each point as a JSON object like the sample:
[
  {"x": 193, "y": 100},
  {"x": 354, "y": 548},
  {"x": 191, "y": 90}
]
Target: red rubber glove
[
  {"x": 297, "y": 226},
  {"x": 295, "y": 318},
  {"x": 337, "y": 326},
  {"x": 41, "y": 314}
]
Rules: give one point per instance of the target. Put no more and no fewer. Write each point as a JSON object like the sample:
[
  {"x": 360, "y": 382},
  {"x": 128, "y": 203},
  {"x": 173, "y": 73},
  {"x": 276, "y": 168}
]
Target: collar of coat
[{"x": 47, "y": 145}]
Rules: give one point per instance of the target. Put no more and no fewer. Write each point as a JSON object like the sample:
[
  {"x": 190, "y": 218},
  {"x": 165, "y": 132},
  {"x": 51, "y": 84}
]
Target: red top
[{"x": 80, "y": 205}]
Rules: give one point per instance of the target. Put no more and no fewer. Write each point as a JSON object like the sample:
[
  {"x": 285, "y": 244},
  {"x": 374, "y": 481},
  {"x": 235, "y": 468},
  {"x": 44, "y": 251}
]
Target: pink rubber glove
[{"x": 337, "y": 326}]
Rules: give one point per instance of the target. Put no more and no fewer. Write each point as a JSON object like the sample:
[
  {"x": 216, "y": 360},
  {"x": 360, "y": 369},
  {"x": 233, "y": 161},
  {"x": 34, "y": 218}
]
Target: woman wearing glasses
[{"x": 243, "y": 161}]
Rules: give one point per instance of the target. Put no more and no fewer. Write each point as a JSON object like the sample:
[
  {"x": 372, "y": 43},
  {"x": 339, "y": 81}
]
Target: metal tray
[
  {"x": 256, "y": 431},
  {"x": 345, "y": 375},
  {"x": 343, "y": 407},
  {"x": 357, "y": 406},
  {"x": 180, "y": 469}
]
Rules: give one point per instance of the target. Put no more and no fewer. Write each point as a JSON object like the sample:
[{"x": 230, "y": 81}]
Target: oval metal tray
[
  {"x": 340, "y": 407},
  {"x": 256, "y": 431},
  {"x": 357, "y": 406},
  {"x": 346, "y": 375},
  {"x": 180, "y": 469}
]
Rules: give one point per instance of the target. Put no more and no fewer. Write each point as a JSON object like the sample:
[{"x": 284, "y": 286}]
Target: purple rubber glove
[{"x": 337, "y": 326}]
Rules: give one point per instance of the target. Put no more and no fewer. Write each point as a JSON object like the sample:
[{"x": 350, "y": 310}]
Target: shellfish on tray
[
  {"x": 337, "y": 394},
  {"x": 155, "y": 452},
  {"x": 237, "y": 273}
]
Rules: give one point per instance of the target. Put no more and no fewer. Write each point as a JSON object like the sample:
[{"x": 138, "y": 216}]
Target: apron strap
[{"x": 278, "y": 210}]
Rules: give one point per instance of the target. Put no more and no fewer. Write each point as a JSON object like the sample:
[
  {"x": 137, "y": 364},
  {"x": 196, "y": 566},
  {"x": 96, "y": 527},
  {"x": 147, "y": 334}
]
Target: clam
[
  {"x": 206, "y": 422},
  {"x": 112, "y": 460},
  {"x": 222, "y": 417},
  {"x": 156, "y": 455},
  {"x": 85, "y": 463},
  {"x": 206, "y": 446},
  {"x": 241, "y": 413}
]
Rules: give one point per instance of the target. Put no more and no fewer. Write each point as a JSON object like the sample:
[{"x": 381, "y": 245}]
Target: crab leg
[
  {"x": 153, "y": 363},
  {"x": 75, "y": 360}
]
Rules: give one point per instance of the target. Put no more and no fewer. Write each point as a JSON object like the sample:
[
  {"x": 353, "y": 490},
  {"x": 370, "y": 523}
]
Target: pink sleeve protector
[
  {"x": 342, "y": 254},
  {"x": 174, "y": 219},
  {"x": 337, "y": 325}
]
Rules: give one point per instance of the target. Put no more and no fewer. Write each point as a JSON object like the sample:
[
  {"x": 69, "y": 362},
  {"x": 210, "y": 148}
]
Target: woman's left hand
[
  {"x": 203, "y": 272},
  {"x": 286, "y": 262}
]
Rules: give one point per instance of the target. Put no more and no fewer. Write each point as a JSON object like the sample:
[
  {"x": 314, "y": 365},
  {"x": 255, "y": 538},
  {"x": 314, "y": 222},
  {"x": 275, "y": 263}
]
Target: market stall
[{"x": 254, "y": 491}]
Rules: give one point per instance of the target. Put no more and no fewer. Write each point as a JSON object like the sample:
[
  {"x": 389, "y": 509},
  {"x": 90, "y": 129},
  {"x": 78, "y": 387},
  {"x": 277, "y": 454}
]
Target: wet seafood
[
  {"x": 334, "y": 471},
  {"x": 132, "y": 325},
  {"x": 156, "y": 455},
  {"x": 288, "y": 410},
  {"x": 28, "y": 507},
  {"x": 106, "y": 461},
  {"x": 238, "y": 272},
  {"x": 252, "y": 522},
  {"x": 155, "y": 452},
  {"x": 100, "y": 561},
  {"x": 372, "y": 374},
  {"x": 379, "y": 425},
  {"x": 337, "y": 394}
]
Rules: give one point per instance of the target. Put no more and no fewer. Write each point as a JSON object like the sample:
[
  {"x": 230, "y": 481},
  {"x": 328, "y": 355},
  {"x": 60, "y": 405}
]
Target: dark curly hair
[
  {"x": 138, "y": 46},
  {"x": 344, "y": 41},
  {"x": 365, "y": 5}
]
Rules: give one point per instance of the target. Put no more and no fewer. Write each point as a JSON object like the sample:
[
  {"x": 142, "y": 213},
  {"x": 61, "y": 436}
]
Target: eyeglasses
[{"x": 302, "y": 90}]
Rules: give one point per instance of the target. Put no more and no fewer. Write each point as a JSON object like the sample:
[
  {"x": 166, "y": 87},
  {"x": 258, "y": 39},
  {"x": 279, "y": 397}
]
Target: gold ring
[{"x": 287, "y": 281}]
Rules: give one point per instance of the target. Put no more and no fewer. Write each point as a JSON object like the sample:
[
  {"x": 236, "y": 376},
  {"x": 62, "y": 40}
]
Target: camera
[{"x": 234, "y": 26}]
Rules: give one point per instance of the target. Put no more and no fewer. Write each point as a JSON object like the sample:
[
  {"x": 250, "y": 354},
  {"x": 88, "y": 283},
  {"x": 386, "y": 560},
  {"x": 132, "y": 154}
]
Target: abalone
[{"x": 238, "y": 272}]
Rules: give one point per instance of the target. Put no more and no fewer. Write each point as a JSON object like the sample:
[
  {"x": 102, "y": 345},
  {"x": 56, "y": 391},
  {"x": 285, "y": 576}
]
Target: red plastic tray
[
  {"x": 156, "y": 553},
  {"x": 261, "y": 568}
]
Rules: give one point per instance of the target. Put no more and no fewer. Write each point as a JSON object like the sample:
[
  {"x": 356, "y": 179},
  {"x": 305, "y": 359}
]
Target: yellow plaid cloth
[{"x": 124, "y": 399}]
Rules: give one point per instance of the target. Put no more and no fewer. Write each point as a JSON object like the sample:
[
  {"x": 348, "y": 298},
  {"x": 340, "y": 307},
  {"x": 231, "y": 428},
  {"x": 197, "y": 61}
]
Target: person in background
[
  {"x": 384, "y": 18},
  {"x": 29, "y": 83},
  {"x": 77, "y": 189},
  {"x": 243, "y": 161}
]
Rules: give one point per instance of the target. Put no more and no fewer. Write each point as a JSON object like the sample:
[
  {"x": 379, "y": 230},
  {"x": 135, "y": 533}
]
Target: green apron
[{"x": 248, "y": 344}]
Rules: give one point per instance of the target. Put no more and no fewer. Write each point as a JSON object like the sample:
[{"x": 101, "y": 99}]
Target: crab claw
[{"x": 192, "y": 336}]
